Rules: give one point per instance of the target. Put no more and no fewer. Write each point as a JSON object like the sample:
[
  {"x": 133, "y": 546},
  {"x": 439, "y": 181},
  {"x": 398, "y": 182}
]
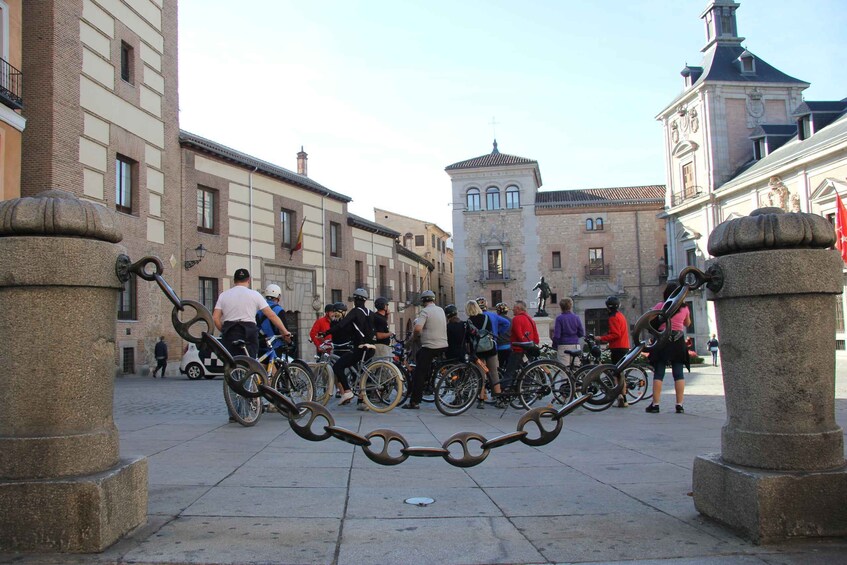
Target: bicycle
[
  {"x": 636, "y": 377},
  {"x": 378, "y": 382},
  {"x": 292, "y": 378},
  {"x": 458, "y": 383},
  {"x": 325, "y": 384}
]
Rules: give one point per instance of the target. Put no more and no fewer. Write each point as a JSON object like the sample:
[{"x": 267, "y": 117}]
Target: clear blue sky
[{"x": 384, "y": 94}]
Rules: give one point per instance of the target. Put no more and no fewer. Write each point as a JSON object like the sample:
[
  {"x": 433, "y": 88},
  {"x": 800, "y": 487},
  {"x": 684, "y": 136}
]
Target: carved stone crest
[
  {"x": 755, "y": 108},
  {"x": 778, "y": 194}
]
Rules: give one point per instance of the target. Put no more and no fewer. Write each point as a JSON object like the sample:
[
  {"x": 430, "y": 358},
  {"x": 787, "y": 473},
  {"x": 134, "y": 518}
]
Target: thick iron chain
[
  {"x": 690, "y": 278},
  {"x": 313, "y": 421}
]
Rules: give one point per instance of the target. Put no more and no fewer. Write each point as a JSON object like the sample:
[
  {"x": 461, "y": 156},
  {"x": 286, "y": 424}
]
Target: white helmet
[{"x": 273, "y": 291}]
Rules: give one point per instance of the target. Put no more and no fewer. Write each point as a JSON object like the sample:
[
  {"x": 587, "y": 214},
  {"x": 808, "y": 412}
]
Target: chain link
[{"x": 314, "y": 422}]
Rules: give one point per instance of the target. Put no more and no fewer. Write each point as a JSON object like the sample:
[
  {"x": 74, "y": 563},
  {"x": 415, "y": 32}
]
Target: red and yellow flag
[{"x": 299, "y": 245}]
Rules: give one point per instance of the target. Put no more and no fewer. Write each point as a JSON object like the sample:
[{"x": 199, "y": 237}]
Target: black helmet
[
  {"x": 613, "y": 303},
  {"x": 381, "y": 303},
  {"x": 450, "y": 310},
  {"x": 340, "y": 307},
  {"x": 329, "y": 308}
]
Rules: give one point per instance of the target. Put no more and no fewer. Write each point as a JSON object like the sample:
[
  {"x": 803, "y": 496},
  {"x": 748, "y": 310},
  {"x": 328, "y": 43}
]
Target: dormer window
[
  {"x": 760, "y": 149},
  {"x": 747, "y": 63},
  {"x": 804, "y": 127}
]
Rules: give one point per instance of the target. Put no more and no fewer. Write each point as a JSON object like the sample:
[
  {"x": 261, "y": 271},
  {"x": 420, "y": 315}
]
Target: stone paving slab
[{"x": 614, "y": 487}]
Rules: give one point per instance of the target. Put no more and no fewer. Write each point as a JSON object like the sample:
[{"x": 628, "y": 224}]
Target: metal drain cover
[{"x": 419, "y": 501}]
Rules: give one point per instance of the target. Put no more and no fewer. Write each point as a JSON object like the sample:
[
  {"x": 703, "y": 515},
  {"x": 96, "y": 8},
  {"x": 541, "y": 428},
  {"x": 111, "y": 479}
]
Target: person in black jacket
[
  {"x": 161, "y": 354},
  {"x": 358, "y": 323}
]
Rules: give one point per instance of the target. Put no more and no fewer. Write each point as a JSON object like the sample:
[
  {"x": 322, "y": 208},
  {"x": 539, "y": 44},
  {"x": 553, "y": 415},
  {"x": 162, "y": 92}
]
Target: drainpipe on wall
[
  {"x": 250, "y": 215},
  {"x": 638, "y": 258}
]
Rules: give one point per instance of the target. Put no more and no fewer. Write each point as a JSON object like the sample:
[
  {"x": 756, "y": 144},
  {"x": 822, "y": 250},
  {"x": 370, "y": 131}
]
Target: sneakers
[
  {"x": 362, "y": 407},
  {"x": 652, "y": 409},
  {"x": 346, "y": 398},
  {"x": 680, "y": 409},
  {"x": 411, "y": 406},
  {"x": 480, "y": 404},
  {"x": 622, "y": 403}
]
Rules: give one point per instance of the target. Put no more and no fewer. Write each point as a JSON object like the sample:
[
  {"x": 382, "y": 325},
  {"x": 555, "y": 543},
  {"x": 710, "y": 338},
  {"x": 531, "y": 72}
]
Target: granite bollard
[
  {"x": 63, "y": 485},
  {"x": 781, "y": 471}
]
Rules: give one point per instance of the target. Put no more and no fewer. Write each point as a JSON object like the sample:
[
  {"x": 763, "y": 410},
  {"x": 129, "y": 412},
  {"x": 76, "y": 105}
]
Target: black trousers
[
  {"x": 350, "y": 359},
  {"x": 160, "y": 364},
  {"x": 234, "y": 331},
  {"x": 423, "y": 367}
]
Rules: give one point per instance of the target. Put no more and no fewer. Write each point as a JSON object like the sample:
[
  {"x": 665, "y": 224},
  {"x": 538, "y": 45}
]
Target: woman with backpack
[{"x": 486, "y": 346}]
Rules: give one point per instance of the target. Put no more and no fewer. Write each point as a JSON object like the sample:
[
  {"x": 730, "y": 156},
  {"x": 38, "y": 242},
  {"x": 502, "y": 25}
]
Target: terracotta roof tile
[
  {"x": 615, "y": 196},
  {"x": 490, "y": 160}
]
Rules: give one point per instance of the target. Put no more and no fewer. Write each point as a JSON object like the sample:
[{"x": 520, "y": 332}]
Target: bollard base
[
  {"x": 770, "y": 506},
  {"x": 83, "y": 514}
]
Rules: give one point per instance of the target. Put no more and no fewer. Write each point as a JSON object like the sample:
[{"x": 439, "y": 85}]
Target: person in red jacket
[
  {"x": 320, "y": 329},
  {"x": 523, "y": 330},
  {"x": 617, "y": 338}
]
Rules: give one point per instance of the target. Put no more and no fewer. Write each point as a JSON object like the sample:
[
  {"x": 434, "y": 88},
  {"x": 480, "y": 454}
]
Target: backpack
[
  {"x": 485, "y": 343},
  {"x": 367, "y": 331},
  {"x": 261, "y": 319}
]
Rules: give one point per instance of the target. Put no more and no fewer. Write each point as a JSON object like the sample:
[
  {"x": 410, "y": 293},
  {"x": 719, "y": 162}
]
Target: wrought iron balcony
[
  {"x": 687, "y": 193},
  {"x": 597, "y": 270},
  {"x": 11, "y": 86},
  {"x": 413, "y": 297},
  {"x": 494, "y": 275}
]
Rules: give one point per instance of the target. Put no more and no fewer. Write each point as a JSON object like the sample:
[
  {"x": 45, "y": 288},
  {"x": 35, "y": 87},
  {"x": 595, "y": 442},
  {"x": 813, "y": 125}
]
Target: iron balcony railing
[
  {"x": 11, "y": 86},
  {"x": 597, "y": 270},
  {"x": 687, "y": 193},
  {"x": 413, "y": 297},
  {"x": 495, "y": 275}
]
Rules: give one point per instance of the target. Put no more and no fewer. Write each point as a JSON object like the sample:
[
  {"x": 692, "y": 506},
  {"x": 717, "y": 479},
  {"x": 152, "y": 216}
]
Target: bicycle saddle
[
  {"x": 367, "y": 346},
  {"x": 239, "y": 343}
]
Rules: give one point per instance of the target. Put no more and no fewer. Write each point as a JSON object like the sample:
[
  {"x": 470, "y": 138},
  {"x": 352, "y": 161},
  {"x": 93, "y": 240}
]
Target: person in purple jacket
[{"x": 567, "y": 331}]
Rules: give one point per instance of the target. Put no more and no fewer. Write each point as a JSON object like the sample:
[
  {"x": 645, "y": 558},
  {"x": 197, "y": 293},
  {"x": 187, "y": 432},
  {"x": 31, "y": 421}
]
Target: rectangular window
[
  {"x": 691, "y": 257},
  {"x": 513, "y": 198},
  {"x": 596, "y": 321},
  {"x": 128, "y": 360},
  {"x": 419, "y": 241},
  {"x": 596, "y": 266},
  {"x": 759, "y": 149},
  {"x": 688, "y": 188},
  {"x": 126, "y": 62},
  {"x": 492, "y": 199},
  {"x": 286, "y": 221},
  {"x": 208, "y": 292},
  {"x": 804, "y": 128},
  {"x": 360, "y": 274},
  {"x": 335, "y": 239},
  {"x": 557, "y": 259},
  {"x": 433, "y": 241},
  {"x": 496, "y": 297},
  {"x": 123, "y": 184},
  {"x": 127, "y": 300},
  {"x": 336, "y": 295},
  {"x": 495, "y": 264},
  {"x": 206, "y": 210}
]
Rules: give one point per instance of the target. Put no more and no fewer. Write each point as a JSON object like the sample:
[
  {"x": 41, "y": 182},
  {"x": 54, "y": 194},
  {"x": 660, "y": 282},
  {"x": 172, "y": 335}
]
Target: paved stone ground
[{"x": 614, "y": 487}]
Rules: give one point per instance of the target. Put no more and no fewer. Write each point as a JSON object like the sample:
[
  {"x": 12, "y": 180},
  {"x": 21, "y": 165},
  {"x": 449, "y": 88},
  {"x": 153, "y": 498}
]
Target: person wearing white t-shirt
[{"x": 235, "y": 315}]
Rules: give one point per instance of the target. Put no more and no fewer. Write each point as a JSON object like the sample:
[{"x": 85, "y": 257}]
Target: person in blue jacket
[
  {"x": 500, "y": 326},
  {"x": 266, "y": 328}
]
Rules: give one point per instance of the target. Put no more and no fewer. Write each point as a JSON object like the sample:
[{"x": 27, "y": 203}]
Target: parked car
[{"x": 197, "y": 364}]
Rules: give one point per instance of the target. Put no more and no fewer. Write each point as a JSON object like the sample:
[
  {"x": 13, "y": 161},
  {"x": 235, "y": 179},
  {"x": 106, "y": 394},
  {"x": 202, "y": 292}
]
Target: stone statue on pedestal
[{"x": 543, "y": 294}]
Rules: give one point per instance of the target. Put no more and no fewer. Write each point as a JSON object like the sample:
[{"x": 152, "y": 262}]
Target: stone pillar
[
  {"x": 63, "y": 486},
  {"x": 781, "y": 471},
  {"x": 545, "y": 329}
]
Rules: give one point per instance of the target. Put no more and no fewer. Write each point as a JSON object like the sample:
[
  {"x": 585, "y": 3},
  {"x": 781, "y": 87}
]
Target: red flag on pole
[
  {"x": 299, "y": 244},
  {"x": 840, "y": 227}
]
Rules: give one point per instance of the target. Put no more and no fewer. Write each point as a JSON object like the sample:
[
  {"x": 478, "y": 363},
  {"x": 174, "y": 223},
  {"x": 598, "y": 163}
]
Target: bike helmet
[
  {"x": 329, "y": 308},
  {"x": 450, "y": 310},
  {"x": 381, "y": 303},
  {"x": 502, "y": 308},
  {"x": 273, "y": 291},
  {"x": 483, "y": 305},
  {"x": 340, "y": 307},
  {"x": 427, "y": 296},
  {"x": 613, "y": 303},
  {"x": 360, "y": 293}
]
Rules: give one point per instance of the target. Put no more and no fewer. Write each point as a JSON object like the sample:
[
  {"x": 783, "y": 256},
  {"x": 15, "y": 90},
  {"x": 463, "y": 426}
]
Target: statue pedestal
[{"x": 545, "y": 329}]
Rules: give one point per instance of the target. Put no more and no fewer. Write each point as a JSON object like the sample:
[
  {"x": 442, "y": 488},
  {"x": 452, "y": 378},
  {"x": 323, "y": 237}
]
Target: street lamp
[{"x": 200, "y": 251}]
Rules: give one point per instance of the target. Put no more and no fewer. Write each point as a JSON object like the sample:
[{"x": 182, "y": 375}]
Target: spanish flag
[{"x": 299, "y": 245}]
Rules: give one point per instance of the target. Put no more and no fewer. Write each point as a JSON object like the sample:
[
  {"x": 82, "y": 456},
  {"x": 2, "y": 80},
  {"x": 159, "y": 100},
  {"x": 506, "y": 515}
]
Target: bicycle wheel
[
  {"x": 297, "y": 384},
  {"x": 246, "y": 411},
  {"x": 600, "y": 388},
  {"x": 381, "y": 385},
  {"x": 636, "y": 384},
  {"x": 535, "y": 382},
  {"x": 458, "y": 388},
  {"x": 324, "y": 381}
]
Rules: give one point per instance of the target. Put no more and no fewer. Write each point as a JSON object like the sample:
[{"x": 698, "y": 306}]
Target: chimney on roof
[{"x": 302, "y": 167}]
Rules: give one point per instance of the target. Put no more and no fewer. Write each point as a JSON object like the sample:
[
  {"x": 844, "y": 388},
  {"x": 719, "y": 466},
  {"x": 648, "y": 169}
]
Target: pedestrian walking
[
  {"x": 713, "y": 349},
  {"x": 161, "y": 354}
]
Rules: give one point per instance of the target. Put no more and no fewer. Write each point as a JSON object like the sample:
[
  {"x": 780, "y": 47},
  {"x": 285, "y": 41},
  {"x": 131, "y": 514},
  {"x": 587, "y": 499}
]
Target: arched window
[
  {"x": 492, "y": 198},
  {"x": 473, "y": 199},
  {"x": 407, "y": 240},
  {"x": 598, "y": 224},
  {"x": 589, "y": 224},
  {"x": 513, "y": 197}
]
